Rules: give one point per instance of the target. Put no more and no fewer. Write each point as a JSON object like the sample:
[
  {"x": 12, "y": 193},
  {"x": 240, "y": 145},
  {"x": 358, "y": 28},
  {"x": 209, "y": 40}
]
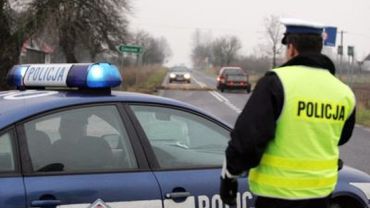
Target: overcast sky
[{"x": 177, "y": 20}]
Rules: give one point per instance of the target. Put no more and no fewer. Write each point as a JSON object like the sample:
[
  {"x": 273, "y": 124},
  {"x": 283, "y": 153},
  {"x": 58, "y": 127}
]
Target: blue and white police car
[{"x": 68, "y": 140}]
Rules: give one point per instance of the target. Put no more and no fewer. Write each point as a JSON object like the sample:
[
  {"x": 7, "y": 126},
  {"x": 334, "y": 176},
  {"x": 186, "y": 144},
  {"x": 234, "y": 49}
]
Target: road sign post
[
  {"x": 340, "y": 50},
  {"x": 350, "y": 51},
  {"x": 129, "y": 49}
]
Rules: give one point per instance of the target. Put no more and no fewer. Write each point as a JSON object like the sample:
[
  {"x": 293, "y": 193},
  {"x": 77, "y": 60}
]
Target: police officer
[{"x": 288, "y": 134}]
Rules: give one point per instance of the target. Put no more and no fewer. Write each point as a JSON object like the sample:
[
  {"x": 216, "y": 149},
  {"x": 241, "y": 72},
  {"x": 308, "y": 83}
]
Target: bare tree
[
  {"x": 225, "y": 50},
  {"x": 15, "y": 28},
  {"x": 254, "y": 65},
  {"x": 97, "y": 24},
  {"x": 156, "y": 50},
  {"x": 274, "y": 33},
  {"x": 201, "y": 53}
]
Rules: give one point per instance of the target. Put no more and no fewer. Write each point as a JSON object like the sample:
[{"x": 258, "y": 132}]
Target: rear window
[{"x": 233, "y": 71}]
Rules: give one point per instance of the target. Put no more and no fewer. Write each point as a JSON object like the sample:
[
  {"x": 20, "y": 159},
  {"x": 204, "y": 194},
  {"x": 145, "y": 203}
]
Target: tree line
[
  {"x": 79, "y": 30},
  {"x": 225, "y": 50}
]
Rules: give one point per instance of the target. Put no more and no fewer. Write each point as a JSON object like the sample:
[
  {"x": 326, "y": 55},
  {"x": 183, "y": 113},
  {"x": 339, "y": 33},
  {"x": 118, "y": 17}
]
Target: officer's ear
[{"x": 291, "y": 51}]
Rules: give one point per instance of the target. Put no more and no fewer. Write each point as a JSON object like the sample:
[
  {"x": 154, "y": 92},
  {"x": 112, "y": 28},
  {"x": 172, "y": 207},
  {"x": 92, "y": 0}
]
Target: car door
[
  {"x": 12, "y": 192},
  {"x": 86, "y": 156},
  {"x": 189, "y": 149}
]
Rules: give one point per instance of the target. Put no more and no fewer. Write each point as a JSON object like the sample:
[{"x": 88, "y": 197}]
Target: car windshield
[{"x": 180, "y": 69}]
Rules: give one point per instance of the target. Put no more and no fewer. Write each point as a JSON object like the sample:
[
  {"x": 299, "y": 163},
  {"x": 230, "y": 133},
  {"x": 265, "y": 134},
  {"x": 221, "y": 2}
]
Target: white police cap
[{"x": 297, "y": 26}]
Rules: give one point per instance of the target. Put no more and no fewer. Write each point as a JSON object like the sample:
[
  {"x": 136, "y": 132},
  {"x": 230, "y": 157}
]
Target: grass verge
[
  {"x": 143, "y": 79},
  {"x": 362, "y": 115}
]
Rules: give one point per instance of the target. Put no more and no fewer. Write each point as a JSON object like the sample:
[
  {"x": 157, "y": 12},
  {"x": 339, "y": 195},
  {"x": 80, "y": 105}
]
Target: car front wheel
[{"x": 345, "y": 202}]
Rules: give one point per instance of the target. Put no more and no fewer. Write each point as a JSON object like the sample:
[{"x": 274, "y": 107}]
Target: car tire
[
  {"x": 222, "y": 89},
  {"x": 345, "y": 202},
  {"x": 248, "y": 89}
]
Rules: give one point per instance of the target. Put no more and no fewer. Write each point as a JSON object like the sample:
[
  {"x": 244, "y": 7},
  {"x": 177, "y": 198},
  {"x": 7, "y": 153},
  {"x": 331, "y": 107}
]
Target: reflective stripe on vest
[
  {"x": 293, "y": 183},
  {"x": 301, "y": 161},
  {"x": 292, "y": 164}
]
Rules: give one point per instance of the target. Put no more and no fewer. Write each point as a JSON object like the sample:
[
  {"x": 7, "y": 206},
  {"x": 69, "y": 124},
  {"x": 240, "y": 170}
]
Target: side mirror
[{"x": 340, "y": 164}]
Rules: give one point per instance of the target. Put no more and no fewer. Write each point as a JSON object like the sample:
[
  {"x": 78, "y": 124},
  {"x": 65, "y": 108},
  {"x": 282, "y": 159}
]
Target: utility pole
[
  {"x": 341, "y": 48},
  {"x": 341, "y": 43}
]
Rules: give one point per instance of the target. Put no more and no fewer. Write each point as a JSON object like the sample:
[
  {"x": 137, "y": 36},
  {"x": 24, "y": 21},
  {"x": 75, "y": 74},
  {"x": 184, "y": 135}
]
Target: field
[
  {"x": 144, "y": 79},
  {"x": 360, "y": 84}
]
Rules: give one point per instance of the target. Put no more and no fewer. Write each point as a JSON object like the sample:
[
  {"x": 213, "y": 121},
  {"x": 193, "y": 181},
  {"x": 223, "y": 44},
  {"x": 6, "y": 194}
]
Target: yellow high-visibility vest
[{"x": 301, "y": 161}]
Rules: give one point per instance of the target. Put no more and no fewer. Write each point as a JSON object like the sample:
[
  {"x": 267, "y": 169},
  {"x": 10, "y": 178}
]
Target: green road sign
[
  {"x": 350, "y": 50},
  {"x": 129, "y": 49}
]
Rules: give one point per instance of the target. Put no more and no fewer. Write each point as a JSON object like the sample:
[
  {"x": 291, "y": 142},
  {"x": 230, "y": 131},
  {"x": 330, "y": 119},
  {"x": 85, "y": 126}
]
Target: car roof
[
  {"x": 227, "y": 68},
  {"x": 18, "y": 105}
]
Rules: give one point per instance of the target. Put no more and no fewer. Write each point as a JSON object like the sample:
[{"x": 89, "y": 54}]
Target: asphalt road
[{"x": 227, "y": 106}]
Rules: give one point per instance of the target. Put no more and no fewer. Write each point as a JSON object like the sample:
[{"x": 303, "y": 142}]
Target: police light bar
[{"x": 92, "y": 75}]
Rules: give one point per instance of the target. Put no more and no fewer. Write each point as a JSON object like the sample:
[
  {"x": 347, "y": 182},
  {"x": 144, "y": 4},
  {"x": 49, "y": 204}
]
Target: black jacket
[{"x": 255, "y": 126}]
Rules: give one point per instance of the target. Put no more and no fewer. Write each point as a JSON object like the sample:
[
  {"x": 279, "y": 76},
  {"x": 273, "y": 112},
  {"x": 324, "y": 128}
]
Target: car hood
[
  {"x": 354, "y": 183},
  {"x": 182, "y": 73},
  {"x": 353, "y": 175}
]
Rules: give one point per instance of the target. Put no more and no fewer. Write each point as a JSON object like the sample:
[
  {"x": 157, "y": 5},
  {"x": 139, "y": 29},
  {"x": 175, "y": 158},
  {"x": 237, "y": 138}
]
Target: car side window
[
  {"x": 83, "y": 139},
  {"x": 7, "y": 162},
  {"x": 181, "y": 139}
]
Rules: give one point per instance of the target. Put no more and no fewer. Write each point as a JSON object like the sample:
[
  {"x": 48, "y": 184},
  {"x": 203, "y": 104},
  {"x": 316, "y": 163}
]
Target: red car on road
[{"x": 233, "y": 78}]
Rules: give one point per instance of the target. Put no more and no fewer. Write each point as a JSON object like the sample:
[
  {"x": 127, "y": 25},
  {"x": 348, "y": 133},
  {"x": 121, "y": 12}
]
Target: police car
[{"x": 68, "y": 140}]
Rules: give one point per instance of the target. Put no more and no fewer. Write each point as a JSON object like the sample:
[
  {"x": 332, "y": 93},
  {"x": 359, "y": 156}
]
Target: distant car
[
  {"x": 233, "y": 78},
  {"x": 68, "y": 140},
  {"x": 179, "y": 74}
]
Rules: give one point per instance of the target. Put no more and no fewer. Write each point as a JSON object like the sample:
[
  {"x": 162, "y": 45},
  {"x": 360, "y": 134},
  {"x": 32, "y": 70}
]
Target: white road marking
[
  {"x": 219, "y": 97},
  {"x": 215, "y": 95},
  {"x": 227, "y": 102}
]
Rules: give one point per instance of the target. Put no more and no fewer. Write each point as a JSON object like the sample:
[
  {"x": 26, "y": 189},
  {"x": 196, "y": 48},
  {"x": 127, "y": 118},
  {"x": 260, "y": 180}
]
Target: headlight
[
  {"x": 187, "y": 76},
  {"x": 172, "y": 75}
]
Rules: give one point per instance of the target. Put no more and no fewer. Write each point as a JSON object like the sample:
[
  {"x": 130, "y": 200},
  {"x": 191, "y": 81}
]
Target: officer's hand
[
  {"x": 340, "y": 164},
  {"x": 228, "y": 190}
]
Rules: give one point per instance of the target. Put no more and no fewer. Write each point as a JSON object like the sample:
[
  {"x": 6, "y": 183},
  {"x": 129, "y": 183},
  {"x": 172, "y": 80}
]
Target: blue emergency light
[{"x": 92, "y": 75}]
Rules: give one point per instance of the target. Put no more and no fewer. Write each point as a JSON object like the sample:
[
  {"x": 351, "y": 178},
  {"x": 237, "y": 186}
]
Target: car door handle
[
  {"x": 45, "y": 203},
  {"x": 177, "y": 195}
]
